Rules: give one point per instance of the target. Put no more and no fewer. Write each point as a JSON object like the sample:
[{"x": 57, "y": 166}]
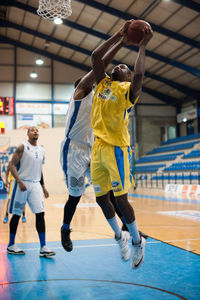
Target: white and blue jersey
[
  {"x": 29, "y": 170},
  {"x": 30, "y": 165},
  {"x": 76, "y": 147}
]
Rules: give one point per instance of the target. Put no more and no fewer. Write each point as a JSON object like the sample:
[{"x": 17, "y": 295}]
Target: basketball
[{"x": 136, "y": 31}]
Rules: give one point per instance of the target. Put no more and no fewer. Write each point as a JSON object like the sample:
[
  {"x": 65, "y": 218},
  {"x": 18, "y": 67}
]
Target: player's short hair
[{"x": 30, "y": 128}]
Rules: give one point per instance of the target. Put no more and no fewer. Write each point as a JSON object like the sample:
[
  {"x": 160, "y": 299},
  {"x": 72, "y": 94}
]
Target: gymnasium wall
[
  {"x": 150, "y": 122},
  {"x": 50, "y": 139},
  {"x": 44, "y": 100}
]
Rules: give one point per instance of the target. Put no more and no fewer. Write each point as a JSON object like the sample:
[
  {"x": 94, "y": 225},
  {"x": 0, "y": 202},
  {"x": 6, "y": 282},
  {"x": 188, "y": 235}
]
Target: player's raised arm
[
  {"x": 99, "y": 60},
  {"x": 139, "y": 68},
  {"x": 86, "y": 83}
]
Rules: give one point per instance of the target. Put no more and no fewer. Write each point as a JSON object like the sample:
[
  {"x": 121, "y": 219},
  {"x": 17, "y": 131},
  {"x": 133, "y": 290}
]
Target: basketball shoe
[
  {"x": 23, "y": 219},
  {"x": 5, "y": 220},
  {"x": 123, "y": 242},
  {"x": 13, "y": 249},
  {"x": 138, "y": 253},
  {"x": 65, "y": 239},
  {"x": 46, "y": 252},
  {"x": 125, "y": 228}
]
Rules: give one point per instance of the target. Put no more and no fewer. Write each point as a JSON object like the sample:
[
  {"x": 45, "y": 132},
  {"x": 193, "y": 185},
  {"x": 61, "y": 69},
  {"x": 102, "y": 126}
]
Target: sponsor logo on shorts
[
  {"x": 97, "y": 188},
  {"x": 117, "y": 190},
  {"x": 115, "y": 183},
  {"x": 19, "y": 205},
  {"x": 76, "y": 182}
]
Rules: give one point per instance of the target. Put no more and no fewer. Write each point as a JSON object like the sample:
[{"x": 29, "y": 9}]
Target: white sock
[
  {"x": 133, "y": 229},
  {"x": 115, "y": 226}
]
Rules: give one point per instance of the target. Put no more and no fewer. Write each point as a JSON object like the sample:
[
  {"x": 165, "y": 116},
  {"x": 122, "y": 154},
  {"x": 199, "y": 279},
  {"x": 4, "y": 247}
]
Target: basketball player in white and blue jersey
[
  {"x": 76, "y": 147},
  {"x": 28, "y": 186}
]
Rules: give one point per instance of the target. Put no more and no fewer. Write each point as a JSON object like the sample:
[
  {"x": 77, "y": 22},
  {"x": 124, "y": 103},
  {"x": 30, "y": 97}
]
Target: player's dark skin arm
[
  {"x": 45, "y": 192},
  {"x": 7, "y": 175},
  {"x": 98, "y": 54},
  {"x": 86, "y": 84},
  {"x": 13, "y": 164},
  {"x": 139, "y": 68}
]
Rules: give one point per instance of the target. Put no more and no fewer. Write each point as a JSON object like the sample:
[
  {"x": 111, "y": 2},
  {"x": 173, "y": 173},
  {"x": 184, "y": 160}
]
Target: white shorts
[
  {"x": 33, "y": 195},
  {"x": 75, "y": 162}
]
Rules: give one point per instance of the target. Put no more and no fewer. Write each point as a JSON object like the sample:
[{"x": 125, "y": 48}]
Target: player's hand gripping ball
[{"x": 136, "y": 30}]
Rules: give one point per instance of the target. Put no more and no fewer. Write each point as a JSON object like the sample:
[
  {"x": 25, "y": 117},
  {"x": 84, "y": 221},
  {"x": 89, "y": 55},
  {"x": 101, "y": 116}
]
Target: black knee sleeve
[
  {"x": 40, "y": 223},
  {"x": 70, "y": 208},
  {"x": 114, "y": 202},
  {"x": 14, "y": 223}
]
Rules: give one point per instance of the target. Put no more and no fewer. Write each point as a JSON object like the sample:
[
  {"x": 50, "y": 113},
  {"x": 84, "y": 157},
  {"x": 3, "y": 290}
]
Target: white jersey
[
  {"x": 78, "y": 122},
  {"x": 30, "y": 165}
]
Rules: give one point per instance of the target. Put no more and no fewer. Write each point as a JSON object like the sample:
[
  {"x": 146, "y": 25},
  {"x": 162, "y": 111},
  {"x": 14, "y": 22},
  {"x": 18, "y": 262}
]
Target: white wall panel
[
  {"x": 63, "y": 92},
  {"x": 33, "y": 91}
]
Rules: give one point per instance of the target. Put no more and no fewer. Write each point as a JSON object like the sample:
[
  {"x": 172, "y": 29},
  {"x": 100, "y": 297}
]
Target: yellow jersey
[{"x": 109, "y": 117}]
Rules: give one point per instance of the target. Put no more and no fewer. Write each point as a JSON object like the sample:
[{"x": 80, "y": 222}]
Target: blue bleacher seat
[
  {"x": 158, "y": 158},
  {"x": 184, "y": 166},
  {"x": 150, "y": 168},
  {"x": 173, "y": 148},
  {"x": 192, "y": 154},
  {"x": 181, "y": 139}
]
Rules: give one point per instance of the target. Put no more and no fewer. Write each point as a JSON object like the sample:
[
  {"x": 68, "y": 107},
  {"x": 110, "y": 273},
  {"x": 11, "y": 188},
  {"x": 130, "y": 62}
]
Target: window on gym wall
[{"x": 171, "y": 132}]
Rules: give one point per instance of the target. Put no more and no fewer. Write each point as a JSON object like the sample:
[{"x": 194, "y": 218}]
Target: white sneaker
[
  {"x": 123, "y": 242},
  {"x": 138, "y": 253},
  {"x": 13, "y": 249},
  {"x": 46, "y": 252}
]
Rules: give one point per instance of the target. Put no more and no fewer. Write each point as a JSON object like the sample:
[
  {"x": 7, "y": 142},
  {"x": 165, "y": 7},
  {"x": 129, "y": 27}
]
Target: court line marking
[
  {"x": 96, "y": 280},
  {"x": 109, "y": 245}
]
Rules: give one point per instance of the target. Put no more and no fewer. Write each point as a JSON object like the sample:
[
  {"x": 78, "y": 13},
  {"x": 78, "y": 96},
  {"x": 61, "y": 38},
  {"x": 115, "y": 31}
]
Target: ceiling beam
[
  {"x": 3, "y": 39},
  {"x": 165, "y": 98},
  {"x": 157, "y": 28},
  {"x": 177, "y": 86},
  {"x": 104, "y": 36},
  {"x": 61, "y": 59},
  {"x": 189, "y": 3}
]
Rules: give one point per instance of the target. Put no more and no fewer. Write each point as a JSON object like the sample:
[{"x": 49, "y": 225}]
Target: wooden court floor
[
  {"x": 166, "y": 218},
  {"x": 94, "y": 270}
]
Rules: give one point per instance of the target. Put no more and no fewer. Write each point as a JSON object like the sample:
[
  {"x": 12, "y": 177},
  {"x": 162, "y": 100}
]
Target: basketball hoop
[{"x": 53, "y": 9}]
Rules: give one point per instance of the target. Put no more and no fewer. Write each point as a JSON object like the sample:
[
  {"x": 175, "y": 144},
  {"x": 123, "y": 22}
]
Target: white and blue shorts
[
  {"x": 75, "y": 162},
  {"x": 33, "y": 196}
]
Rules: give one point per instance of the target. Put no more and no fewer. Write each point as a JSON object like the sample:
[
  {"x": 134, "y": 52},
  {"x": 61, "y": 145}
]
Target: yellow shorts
[{"x": 110, "y": 168}]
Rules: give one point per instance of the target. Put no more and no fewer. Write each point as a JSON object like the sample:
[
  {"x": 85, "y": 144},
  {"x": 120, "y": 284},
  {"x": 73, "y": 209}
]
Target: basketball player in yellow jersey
[
  {"x": 110, "y": 162},
  {"x": 9, "y": 187}
]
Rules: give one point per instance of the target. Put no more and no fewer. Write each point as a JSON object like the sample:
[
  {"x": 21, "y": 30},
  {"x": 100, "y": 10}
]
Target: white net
[{"x": 54, "y": 9}]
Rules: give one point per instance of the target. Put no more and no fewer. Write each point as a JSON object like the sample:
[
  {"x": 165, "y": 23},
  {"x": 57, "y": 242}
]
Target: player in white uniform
[
  {"x": 28, "y": 186},
  {"x": 76, "y": 147}
]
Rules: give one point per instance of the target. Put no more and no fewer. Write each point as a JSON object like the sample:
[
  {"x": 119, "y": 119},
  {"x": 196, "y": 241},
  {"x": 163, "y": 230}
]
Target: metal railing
[{"x": 159, "y": 180}]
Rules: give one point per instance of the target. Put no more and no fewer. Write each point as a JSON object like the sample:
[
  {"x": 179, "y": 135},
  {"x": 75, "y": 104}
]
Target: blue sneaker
[
  {"x": 5, "y": 220},
  {"x": 24, "y": 219}
]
